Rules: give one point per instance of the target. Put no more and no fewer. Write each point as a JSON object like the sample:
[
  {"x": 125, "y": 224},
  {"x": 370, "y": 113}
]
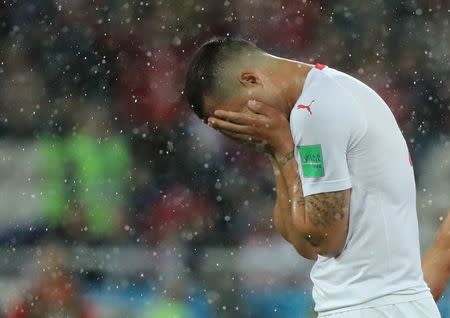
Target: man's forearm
[
  {"x": 298, "y": 229},
  {"x": 283, "y": 218},
  {"x": 320, "y": 219},
  {"x": 293, "y": 190},
  {"x": 436, "y": 261}
]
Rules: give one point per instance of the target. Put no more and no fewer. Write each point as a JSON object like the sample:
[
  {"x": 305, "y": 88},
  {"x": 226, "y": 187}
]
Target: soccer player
[{"x": 344, "y": 178}]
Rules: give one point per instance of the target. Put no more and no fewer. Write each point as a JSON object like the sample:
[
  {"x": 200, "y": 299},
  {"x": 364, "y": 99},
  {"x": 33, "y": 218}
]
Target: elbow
[
  {"x": 329, "y": 251},
  {"x": 328, "y": 242},
  {"x": 323, "y": 246},
  {"x": 307, "y": 253}
]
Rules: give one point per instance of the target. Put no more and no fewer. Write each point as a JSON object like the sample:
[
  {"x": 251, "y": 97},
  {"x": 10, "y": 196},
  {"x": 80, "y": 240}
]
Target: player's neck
[
  {"x": 298, "y": 72},
  {"x": 295, "y": 73}
]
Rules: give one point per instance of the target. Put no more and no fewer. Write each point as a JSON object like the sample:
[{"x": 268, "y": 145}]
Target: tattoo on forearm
[
  {"x": 300, "y": 201},
  {"x": 284, "y": 160},
  {"x": 325, "y": 208}
]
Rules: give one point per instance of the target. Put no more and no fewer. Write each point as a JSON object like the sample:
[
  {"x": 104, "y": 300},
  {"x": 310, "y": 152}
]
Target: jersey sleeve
[{"x": 323, "y": 135}]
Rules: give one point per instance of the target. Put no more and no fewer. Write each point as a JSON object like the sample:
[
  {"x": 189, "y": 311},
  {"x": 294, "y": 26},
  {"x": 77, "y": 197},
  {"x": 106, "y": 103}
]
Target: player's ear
[{"x": 249, "y": 79}]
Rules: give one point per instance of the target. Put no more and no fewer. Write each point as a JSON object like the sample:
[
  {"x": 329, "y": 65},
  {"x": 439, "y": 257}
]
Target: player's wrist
[
  {"x": 283, "y": 155},
  {"x": 283, "y": 147}
]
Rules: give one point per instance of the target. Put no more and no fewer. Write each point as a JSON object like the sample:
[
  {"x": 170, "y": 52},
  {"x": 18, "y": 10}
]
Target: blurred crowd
[{"x": 99, "y": 149}]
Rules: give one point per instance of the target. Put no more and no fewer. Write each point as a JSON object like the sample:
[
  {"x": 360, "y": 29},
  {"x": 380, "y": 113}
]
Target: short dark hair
[{"x": 203, "y": 74}]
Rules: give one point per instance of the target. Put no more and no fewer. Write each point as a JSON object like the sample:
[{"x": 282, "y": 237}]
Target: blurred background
[{"x": 116, "y": 201}]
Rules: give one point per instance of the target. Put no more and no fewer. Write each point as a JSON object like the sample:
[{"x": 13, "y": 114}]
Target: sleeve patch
[{"x": 311, "y": 160}]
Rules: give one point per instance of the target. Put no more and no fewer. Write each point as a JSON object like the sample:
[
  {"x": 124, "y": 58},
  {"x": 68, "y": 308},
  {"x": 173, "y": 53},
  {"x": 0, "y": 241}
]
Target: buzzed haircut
[{"x": 206, "y": 72}]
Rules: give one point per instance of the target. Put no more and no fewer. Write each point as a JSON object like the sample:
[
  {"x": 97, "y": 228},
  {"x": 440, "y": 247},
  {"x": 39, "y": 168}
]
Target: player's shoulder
[
  {"x": 321, "y": 94},
  {"x": 324, "y": 81},
  {"x": 325, "y": 103}
]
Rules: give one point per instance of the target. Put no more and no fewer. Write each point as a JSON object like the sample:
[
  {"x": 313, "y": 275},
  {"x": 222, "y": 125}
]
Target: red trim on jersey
[{"x": 320, "y": 66}]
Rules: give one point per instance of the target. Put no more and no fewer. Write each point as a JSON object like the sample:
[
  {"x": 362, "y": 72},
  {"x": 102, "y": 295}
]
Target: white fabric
[
  {"x": 361, "y": 148},
  {"x": 422, "y": 308}
]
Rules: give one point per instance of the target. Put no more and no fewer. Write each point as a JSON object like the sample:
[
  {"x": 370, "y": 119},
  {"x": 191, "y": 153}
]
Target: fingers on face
[
  {"x": 229, "y": 126},
  {"x": 247, "y": 118},
  {"x": 237, "y": 118},
  {"x": 259, "y": 108}
]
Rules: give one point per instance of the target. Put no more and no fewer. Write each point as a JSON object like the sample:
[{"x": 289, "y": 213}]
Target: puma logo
[{"x": 307, "y": 107}]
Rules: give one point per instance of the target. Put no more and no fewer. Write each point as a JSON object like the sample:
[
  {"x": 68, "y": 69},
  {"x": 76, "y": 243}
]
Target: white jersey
[
  {"x": 420, "y": 308},
  {"x": 346, "y": 137}
]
